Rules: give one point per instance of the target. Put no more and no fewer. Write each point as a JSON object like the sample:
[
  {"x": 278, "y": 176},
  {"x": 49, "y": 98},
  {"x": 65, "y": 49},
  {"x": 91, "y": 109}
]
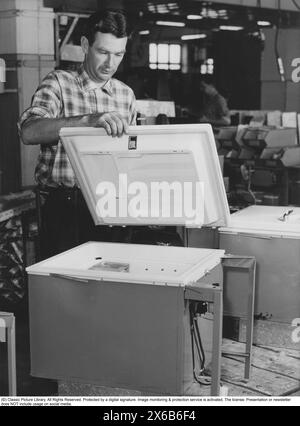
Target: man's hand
[
  {"x": 112, "y": 122},
  {"x": 46, "y": 130}
]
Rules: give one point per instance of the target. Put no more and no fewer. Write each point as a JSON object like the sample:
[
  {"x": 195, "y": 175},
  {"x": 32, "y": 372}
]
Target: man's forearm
[{"x": 45, "y": 131}]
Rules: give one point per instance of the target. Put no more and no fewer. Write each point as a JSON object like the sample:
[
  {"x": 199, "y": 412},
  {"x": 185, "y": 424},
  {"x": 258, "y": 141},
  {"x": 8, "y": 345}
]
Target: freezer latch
[
  {"x": 285, "y": 215},
  {"x": 132, "y": 142}
]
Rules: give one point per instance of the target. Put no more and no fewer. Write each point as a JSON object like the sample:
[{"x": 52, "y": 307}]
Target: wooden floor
[{"x": 275, "y": 372}]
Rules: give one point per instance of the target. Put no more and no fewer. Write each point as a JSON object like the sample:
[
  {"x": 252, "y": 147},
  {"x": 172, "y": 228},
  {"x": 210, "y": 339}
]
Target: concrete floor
[
  {"x": 276, "y": 371},
  {"x": 26, "y": 385}
]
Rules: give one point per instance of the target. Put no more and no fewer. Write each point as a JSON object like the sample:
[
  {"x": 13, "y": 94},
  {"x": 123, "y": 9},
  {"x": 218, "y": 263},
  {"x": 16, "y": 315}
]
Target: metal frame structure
[
  {"x": 59, "y": 47},
  {"x": 211, "y": 294},
  {"x": 7, "y": 321},
  {"x": 247, "y": 264}
]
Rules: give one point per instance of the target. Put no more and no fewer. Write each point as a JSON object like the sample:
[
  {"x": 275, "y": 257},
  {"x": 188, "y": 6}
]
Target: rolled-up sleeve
[
  {"x": 132, "y": 111},
  {"x": 46, "y": 102}
]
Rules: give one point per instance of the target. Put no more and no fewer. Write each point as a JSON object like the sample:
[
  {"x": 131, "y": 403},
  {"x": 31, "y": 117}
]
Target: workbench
[{"x": 16, "y": 206}]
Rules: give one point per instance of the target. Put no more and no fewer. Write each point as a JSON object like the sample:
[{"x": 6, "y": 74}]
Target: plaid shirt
[{"x": 67, "y": 94}]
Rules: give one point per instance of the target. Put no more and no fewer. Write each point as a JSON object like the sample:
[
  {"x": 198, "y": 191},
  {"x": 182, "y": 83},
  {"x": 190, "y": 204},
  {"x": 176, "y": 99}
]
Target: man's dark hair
[{"x": 107, "y": 21}]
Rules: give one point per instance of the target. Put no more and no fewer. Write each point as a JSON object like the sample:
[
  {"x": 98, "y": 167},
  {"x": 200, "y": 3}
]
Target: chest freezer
[
  {"x": 272, "y": 235},
  {"x": 120, "y": 321},
  {"x": 117, "y": 315}
]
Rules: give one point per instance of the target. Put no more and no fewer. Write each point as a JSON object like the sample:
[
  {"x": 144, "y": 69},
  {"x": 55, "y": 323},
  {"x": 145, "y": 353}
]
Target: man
[
  {"x": 214, "y": 110},
  {"x": 89, "y": 97}
]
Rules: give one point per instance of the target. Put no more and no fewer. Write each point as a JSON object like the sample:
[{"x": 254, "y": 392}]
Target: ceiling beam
[
  {"x": 266, "y": 4},
  {"x": 73, "y": 5},
  {"x": 287, "y": 5}
]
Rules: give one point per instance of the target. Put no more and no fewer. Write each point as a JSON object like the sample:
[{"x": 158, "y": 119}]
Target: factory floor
[
  {"x": 26, "y": 385},
  {"x": 275, "y": 371}
]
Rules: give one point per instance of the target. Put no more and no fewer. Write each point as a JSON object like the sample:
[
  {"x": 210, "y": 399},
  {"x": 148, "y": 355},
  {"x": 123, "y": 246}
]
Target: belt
[{"x": 59, "y": 189}]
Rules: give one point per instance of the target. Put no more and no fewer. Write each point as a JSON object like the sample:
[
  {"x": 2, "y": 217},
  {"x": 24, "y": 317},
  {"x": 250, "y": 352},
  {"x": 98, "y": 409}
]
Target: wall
[
  {"x": 27, "y": 45},
  {"x": 237, "y": 69},
  {"x": 275, "y": 94}
]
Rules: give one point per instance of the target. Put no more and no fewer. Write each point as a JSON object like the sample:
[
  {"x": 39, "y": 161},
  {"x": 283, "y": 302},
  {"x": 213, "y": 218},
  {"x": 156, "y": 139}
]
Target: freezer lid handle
[{"x": 69, "y": 278}]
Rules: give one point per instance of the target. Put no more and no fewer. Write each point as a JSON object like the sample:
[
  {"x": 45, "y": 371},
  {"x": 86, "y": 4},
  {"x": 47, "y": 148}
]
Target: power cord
[{"x": 196, "y": 309}]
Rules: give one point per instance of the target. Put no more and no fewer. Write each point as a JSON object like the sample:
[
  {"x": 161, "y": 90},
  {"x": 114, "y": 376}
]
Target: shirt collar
[{"x": 87, "y": 84}]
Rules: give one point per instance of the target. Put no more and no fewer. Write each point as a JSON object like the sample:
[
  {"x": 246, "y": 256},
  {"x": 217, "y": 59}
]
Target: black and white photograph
[{"x": 149, "y": 205}]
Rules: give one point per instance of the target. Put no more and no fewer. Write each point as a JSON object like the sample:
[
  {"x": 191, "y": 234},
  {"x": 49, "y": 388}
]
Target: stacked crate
[
  {"x": 12, "y": 279},
  {"x": 18, "y": 232}
]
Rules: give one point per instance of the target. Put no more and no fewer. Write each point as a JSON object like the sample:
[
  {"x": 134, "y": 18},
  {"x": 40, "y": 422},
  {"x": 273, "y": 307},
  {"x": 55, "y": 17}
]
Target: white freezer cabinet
[
  {"x": 272, "y": 235},
  {"x": 117, "y": 315}
]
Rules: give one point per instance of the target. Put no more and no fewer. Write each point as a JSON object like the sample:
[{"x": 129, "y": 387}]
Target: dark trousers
[{"x": 66, "y": 222}]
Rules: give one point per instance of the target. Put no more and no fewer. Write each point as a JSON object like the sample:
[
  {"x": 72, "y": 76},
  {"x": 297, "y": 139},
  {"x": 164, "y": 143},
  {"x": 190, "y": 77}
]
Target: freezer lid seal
[{"x": 154, "y": 175}]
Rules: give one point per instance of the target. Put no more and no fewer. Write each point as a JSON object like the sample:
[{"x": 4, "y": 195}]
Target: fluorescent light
[
  {"x": 144, "y": 32},
  {"x": 264, "y": 23},
  {"x": 231, "y": 28},
  {"x": 171, "y": 24},
  {"x": 194, "y": 17},
  {"x": 193, "y": 36}
]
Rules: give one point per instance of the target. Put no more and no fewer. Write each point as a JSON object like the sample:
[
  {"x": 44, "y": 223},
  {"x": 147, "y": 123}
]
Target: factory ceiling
[{"x": 213, "y": 14}]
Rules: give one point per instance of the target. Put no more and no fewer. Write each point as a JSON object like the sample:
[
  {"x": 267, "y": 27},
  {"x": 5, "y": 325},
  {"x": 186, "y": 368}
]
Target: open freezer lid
[
  {"x": 269, "y": 220},
  {"x": 155, "y": 175}
]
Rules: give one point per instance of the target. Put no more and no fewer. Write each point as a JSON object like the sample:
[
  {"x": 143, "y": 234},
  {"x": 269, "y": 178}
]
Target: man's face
[{"x": 104, "y": 56}]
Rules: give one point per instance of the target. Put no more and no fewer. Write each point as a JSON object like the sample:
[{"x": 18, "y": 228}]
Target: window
[
  {"x": 208, "y": 66},
  {"x": 165, "y": 56}
]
